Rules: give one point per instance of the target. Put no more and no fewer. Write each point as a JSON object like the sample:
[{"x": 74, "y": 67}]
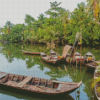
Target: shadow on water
[{"x": 20, "y": 94}]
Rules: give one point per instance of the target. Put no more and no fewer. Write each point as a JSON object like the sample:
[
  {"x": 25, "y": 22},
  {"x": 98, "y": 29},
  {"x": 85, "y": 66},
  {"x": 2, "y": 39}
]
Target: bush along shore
[{"x": 60, "y": 28}]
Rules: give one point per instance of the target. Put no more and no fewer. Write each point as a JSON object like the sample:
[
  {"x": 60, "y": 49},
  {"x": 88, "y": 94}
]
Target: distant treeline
[{"x": 60, "y": 27}]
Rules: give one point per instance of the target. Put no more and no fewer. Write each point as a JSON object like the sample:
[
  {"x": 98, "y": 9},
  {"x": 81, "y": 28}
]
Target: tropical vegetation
[{"x": 61, "y": 26}]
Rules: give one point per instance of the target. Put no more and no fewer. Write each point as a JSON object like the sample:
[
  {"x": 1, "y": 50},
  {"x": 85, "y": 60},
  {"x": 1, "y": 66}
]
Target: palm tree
[
  {"x": 41, "y": 18},
  {"x": 29, "y": 19},
  {"x": 54, "y": 10},
  {"x": 9, "y": 26}
]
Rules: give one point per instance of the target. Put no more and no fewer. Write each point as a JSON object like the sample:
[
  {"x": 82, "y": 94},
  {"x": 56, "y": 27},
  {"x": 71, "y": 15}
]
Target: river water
[{"x": 13, "y": 60}]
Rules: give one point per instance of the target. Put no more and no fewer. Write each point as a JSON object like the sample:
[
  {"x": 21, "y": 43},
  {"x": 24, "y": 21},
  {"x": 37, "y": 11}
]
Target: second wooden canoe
[
  {"x": 37, "y": 85},
  {"x": 31, "y": 53}
]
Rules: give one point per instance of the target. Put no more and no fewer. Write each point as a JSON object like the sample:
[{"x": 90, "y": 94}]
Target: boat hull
[
  {"x": 25, "y": 91},
  {"x": 37, "y": 85},
  {"x": 97, "y": 84},
  {"x": 56, "y": 62},
  {"x": 31, "y": 53}
]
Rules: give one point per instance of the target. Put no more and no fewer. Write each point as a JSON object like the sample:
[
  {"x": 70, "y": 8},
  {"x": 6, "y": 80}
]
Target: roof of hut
[
  {"x": 77, "y": 54},
  {"x": 89, "y": 53},
  {"x": 51, "y": 51},
  {"x": 42, "y": 53}
]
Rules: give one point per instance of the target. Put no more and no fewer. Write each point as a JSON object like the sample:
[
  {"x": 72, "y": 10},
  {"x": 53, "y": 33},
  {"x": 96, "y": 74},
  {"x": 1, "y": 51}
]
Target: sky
[{"x": 15, "y": 10}]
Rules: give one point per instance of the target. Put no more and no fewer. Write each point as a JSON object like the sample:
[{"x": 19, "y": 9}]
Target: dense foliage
[{"x": 60, "y": 27}]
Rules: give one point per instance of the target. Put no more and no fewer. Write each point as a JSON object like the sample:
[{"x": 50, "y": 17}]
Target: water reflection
[
  {"x": 16, "y": 95},
  {"x": 13, "y": 60}
]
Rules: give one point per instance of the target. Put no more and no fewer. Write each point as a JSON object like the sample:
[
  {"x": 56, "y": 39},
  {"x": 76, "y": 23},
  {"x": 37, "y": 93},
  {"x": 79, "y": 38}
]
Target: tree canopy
[{"x": 61, "y": 26}]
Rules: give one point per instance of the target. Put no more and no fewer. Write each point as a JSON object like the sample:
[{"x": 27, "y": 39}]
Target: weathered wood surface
[
  {"x": 50, "y": 59},
  {"x": 11, "y": 83},
  {"x": 2, "y": 75},
  {"x": 92, "y": 65},
  {"x": 59, "y": 87},
  {"x": 65, "y": 50},
  {"x": 31, "y": 53},
  {"x": 97, "y": 84},
  {"x": 38, "y": 85},
  {"x": 21, "y": 84},
  {"x": 73, "y": 47}
]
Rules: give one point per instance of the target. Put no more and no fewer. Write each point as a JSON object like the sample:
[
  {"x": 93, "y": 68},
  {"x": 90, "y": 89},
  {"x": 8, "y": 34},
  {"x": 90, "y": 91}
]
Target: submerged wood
[
  {"x": 97, "y": 85},
  {"x": 31, "y": 53},
  {"x": 37, "y": 85}
]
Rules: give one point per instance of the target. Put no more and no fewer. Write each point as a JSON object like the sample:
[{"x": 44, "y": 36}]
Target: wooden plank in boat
[
  {"x": 24, "y": 81},
  {"x": 2, "y": 75},
  {"x": 63, "y": 82},
  {"x": 59, "y": 87},
  {"x": 57, "y": 81},
  {"x": 11, "y": 83}
]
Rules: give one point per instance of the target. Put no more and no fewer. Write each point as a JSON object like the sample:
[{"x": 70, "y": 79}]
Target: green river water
[{"x": 13, "y": 60}]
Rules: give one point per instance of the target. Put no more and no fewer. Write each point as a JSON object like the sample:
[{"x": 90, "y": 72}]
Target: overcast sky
[{"x": 15, "y": 10}]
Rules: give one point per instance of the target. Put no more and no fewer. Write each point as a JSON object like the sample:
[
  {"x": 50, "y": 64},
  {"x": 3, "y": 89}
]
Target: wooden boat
[
  {"x": 89, "y": 57},
  {"x": 53, "y": 53},
  {"x": 61, "y": 58},
  {"x": 37, "y": 85},
  {"x": 97, "y": 72},
  {"x": 78, "y": 57},
  {"x": 68, "y": 58},
  {"x": 96, "y": 75},
  {"x": 92, "y": 65},
  {"x": 49, "y": 59},
  {"x": 98, "y": 62},
  {"x": 31, "y": 53}
]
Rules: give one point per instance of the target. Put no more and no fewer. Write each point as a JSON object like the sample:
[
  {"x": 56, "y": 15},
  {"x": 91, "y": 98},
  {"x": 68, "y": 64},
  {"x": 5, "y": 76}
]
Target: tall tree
[
  {"x": 9, "y": 26},
  {"x": 53, "y": 12},
  {"x": 29, "y": 19},
  {"x": 41, "y": 19}
]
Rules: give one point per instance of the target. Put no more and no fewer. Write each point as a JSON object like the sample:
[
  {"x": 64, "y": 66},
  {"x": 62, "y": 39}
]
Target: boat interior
[{"x": 25, "y": 81}]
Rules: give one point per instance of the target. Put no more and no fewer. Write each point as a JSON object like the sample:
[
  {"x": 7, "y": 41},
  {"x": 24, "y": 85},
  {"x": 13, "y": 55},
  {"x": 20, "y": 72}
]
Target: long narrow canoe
[
  {"x": 31, "y": 53},
  {"x": 96, "y": 75},
  {"x": 37, "y": 85}
]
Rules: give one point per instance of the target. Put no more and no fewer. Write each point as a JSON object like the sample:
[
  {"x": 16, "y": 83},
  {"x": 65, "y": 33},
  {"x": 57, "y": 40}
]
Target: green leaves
[
  {"x": 61, "y": 26},
  {"x": 55, "y": 11},
  {"x": 29, "y": 19}
]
